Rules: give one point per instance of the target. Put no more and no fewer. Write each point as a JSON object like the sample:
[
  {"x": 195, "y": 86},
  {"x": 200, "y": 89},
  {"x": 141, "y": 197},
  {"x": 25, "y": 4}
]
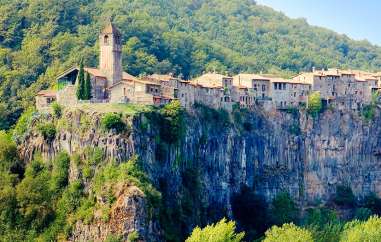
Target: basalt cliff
[{"x": 218, "y": 155}]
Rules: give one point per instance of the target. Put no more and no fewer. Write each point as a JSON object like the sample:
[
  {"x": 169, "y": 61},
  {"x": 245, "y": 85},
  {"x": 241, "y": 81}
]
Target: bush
[
  {"x": 34, "y": 196},
  {"x": 222, "y": 231},
  {"x": 363, "y": 214},
  {"x": 23, "y": 123},
  {"x": 250, "y": 211},
  {"x": 357, "y": 231},
  {"x": 344, "y": 196},
  {"x": 8, "y": 152},
  {"x": 288, "y": 233},
  {"x": 368, "y": 112},
  {"x": 60, "y": 171},
  {"x": 133, "y": 237},
  {"x": 57, "y": 109},
  {"x": 172, "y": 126},
  {"x": 47, "y": 130},
  {"x": 112, "y": 121},
  {"x": 283, "y": 209},
  {"x": 373, "y": 202},
  {"x": 314, "y": 103}
]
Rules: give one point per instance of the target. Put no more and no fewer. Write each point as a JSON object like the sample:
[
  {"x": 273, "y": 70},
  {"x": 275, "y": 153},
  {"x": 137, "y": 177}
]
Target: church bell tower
[{"x": 110, "y": 63}]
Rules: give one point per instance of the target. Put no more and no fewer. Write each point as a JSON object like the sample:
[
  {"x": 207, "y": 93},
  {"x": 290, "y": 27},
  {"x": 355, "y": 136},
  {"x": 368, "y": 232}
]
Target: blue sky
[{"x": 359, "y": 19}]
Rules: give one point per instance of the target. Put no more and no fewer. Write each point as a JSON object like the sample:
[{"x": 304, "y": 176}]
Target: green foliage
[
  {"x": 344, "y": 196},
  {"x": 81, "y": 89},
  {"x": 113, "y": 238},
  {"x": 133, "y": 237},
  {"x": 219, "y": 118},
  {"x": 314, "y": 103},
  {"x": 251, "y": 212},
  {"x": 172, "y": 127},
  {"x": 87, "y": 87},
  {"x": 323, "y": 224},
  {"x": 223, "y": 231},
  {"x": 283, "y": 209},
  {"x": 60, "y": 171},
  {"x": 34, "y": 196},
  {"x": 8, "y": 152},
  {"x": 363, "y": 214},
  {"x": 373, "y": 202},
  {"x": 57, "y": 109},
  {"x": 23, "y": 124},
  {"x": 112, "y": 121},
  {"x": 47, "y": 130},
  {"x": 357, "y": 231},
  {"x": 288, "y": 233},
  {"x": 368, "y": 112}
]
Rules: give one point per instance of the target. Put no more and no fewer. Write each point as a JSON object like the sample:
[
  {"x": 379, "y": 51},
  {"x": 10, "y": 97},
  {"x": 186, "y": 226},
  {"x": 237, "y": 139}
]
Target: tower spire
[{"x": 110, "y": 63}]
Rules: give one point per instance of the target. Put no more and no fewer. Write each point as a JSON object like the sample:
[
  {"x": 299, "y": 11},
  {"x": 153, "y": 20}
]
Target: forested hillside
[{"x": 40, "y": 38}]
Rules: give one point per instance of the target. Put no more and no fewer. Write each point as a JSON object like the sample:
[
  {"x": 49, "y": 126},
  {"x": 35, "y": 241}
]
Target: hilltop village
[{"x": 346, "y": 89}]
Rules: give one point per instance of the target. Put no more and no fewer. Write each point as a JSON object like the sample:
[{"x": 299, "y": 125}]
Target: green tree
[
  {"x": 223, "y": 231},
  {"x": 283, "y": 209},
  {"x": 357, "y": 231},
  {"x": 288, "y": 233},
  {"x": 87, "y": 91},
  {"x": 81, "y": 83},
  {"x": 314, "y": 105},
  {"x": 34, "y": 196},
  {"x": 8, "y": 152}
]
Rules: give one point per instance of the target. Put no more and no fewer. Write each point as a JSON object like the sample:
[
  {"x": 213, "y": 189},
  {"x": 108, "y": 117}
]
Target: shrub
[
  {"x": 329, "y": 232},
  {"x": 133, "y": 237},
  {"x": 344, "y": 196},
  {"x": 57, "y": 109},
  {"x": 8, "y": 152},
  {"x": 60, "y": 171},
  {"x": 314, "y": 103},
  {"x": 34, "y": 196},
  {"x": 172, "y": 127},
  {"x": 283, "y": 209},
  {"x": 250, "y": 211},
  {"x": 368, "y": 112},
  {"x": 357, "y": 231},
  {"x": 288, "y": 233},
  {"x": 373, "y": 202},
  {"x": 363, "y": 214},
  {"x": 222, "y": 231},
  {"x": 47, "y": 130},
  {"x": 112, "y": 121},
  {"x": 23, "y": 123},
  {"x": 114, "y": 238}
]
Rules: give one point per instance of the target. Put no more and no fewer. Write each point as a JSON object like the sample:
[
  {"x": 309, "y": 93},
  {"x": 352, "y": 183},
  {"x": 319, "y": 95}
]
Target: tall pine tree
[
  {"x": 87, "y": 94},
  {"x": 81, "y": 83}
]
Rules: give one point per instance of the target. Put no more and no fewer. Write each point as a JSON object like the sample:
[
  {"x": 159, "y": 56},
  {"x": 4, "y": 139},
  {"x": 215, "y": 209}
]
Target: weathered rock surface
[{"x": 293, "y": 152}]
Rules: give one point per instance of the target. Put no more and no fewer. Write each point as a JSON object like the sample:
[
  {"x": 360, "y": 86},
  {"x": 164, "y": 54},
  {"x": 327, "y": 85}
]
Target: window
[
  {"x": 106, "y": 39},
  {"x": 263, "y": 88}
]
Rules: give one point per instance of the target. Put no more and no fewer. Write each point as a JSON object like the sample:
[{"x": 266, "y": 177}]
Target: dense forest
[{"x": 40, "y": 38}]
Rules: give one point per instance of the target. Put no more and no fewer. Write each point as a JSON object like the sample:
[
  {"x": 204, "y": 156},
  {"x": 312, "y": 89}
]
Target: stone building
[
  {"x": 45, "y": 98},
  {"x": 286, "y": 93}
]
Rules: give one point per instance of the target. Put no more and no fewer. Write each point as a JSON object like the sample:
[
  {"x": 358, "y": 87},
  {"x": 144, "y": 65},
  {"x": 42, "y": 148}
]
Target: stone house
[
  {"x": 287, "y": 93},
  {"x": 260, "y": 85},
  {"x": 45, "y": 98}
]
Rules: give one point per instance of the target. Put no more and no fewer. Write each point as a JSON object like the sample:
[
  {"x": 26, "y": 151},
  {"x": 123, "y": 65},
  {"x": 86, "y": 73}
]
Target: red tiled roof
[{"x": 47, "y": 93}]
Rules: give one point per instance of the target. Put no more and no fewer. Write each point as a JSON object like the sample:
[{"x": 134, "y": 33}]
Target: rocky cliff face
[{"x": 269, "y": 152}]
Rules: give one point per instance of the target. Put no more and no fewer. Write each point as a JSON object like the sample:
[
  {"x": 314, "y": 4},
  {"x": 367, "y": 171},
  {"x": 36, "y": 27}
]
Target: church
[{"x": 109, "y": 83}]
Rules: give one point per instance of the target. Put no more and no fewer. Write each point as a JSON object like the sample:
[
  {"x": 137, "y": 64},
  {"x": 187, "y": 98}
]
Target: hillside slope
[{"x": 40, "y": 38}]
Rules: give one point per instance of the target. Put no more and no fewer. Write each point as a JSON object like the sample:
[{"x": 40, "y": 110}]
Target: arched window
[{"x": 106, "y": 39}]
